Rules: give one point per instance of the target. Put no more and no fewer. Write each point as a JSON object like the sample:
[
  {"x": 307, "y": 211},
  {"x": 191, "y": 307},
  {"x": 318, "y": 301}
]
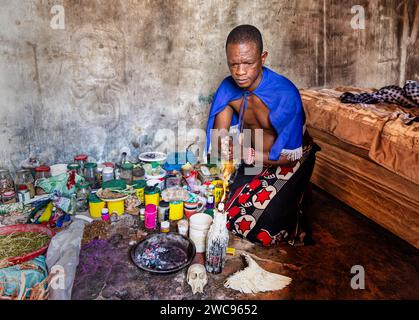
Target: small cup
[
  {"x": 189, "y": 212},
  {"x": 183, "y": 227}
]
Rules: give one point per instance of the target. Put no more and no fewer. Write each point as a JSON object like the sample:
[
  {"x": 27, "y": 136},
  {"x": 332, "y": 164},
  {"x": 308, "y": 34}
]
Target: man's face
[{"x": 245, "y": 64}]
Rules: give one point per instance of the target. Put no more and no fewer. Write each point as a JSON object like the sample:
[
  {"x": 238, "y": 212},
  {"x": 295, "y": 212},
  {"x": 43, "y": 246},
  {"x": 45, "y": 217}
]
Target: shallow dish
[{"x": 163, "y": 253}]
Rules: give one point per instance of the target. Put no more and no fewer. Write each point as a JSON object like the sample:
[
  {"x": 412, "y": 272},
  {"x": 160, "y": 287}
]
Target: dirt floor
[{"x": 343, "y": 238}]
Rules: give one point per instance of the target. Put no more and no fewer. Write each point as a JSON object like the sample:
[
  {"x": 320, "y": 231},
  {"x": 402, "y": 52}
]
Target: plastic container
[
  {"x": 176, "y": 210},
  {"x": 58, "y": 169},
  {"x": 165, "y": 226},
  {"x": 23, "y": 194},
  {"x": 24, "y": 177},
  {"x": 8, "y": 197},
  {"x": 139, "y": 187},
  {"x": 163, "y": 211},
  {"x": 82, "y": 195},
  {"x": 150, "y": 216},
  {"x": 116, "y": 206},
  {"x": 218, "y": 191},
  {"x": 138, "y": 174},
  {"x": 152, "y": 195},
  {"x": 41, "y": 172},
  {"x": 126, "y": 172},
  {"x": 6, "y": 181},
  {"x": 107, "y": 174},
  {"x": 75, "y": 167},
  {"x": 81, "y": 159},
  {"x": 105, "y": 214},
  {"x": 95, "y": 206},
  {"x": 90, "y": 174}
]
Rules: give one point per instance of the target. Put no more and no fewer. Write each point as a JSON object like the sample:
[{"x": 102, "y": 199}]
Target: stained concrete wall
[{"x": 122, "y": 69}]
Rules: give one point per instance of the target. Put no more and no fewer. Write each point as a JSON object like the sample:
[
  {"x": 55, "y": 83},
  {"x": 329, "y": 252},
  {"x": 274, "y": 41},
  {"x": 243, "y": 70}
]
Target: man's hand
[{"x": 249, "y": 156}]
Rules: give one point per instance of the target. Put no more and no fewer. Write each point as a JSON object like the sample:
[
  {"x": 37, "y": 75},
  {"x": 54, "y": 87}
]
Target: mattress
[
  {"x": 378, "y": 129},
  {"x": 346, "y": 172}
]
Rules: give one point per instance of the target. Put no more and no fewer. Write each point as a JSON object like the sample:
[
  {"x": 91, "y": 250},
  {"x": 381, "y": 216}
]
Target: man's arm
[
  {"x": 222, "y": 122},
  {"x": 250, "y": 157},
  {"x": 282, "y": 161}
]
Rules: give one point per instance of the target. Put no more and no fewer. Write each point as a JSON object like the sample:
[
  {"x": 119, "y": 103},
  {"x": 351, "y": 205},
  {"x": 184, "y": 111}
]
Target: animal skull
[{"x": 197, "y": 277}]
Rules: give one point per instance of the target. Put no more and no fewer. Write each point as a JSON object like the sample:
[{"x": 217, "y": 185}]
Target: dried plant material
[
  {"x": 98, "y": 229},
  {"x": 254, "y": 279},
  {"x": 20, "y": 243}
]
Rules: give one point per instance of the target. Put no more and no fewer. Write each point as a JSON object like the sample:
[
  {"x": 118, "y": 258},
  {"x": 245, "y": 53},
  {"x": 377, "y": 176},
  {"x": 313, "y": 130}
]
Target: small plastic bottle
[
  {"x": 105, "y": 214},
  {"x": 210, "y": 197}
]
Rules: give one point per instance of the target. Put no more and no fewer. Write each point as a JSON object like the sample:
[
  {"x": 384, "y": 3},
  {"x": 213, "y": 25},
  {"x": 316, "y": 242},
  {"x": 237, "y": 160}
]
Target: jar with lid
[
  {"x": 24, "y": 177},
  {"x": 163, "y": 211},
  {"x": 81, "y": 159},
  {"x": 75, "y": 167},
  {"x": 6, "y": 181},
  {"x": 126, "y": 172},
  {"x": 31, "y": 164},
  {"x": 82, "y": 196},
  {"x": 90, "y": 174},
  {"x": 23, "y": 194},
  {"x": 8, "y": 197},
  {"x": 41, "y": 172},
  {"x": 99, "y": 174},
  {"x": 138, "y": 173},
  {"x": 107, "y": 174}
]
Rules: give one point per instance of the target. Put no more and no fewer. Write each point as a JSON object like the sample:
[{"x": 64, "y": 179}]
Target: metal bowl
[{"x": 163, "y": 253}]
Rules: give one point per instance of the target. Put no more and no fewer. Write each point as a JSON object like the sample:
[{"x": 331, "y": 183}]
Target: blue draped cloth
[{"x": 286, "y": 113}]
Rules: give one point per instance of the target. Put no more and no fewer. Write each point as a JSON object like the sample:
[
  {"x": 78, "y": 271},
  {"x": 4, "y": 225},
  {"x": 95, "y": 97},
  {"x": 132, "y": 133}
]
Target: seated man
[{"x": 263, "y": 207}]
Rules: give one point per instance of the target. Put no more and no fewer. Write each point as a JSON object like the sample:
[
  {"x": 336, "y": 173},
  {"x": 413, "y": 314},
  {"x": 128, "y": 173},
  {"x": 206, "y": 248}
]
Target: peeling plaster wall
[{"x": 122, "y": 69}]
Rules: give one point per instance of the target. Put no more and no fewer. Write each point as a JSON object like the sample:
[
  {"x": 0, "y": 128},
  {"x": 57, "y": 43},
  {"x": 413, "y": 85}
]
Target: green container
[
  {"x": 90, "y": 165},
  {"x": 127, "y": 166},
  {"x": 117, "y": 184},
  {"x": 93, "y": 198}
]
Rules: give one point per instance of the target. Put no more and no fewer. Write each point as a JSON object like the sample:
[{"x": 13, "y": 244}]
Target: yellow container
[
  {"x": 152, "y": 196},
  {"x": 116, "y": 206},
  {"x": 176, "y": 210},
  {"x": 95, "y": 209},
  {"x": 139, "y": 187},
  {"x": 218, "y": 190}
]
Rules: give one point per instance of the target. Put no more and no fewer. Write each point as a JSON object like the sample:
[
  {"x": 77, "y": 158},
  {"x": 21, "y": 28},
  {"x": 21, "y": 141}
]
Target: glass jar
[
  {"x": 24, "y": 177},
  {"x": 138, "y": 173},
  {"x": 126, "y": 172},
  {"x": 8, "y": 197},
  {"x": 75, "y": 167},
  {"x": 82, "y": 196},
  {"x": 107, "y": 174},
  {"x": 23, "y": 194},
  {"x": 41, "y": 172},
  {"x": 90, "y": 169},
  {"x": 99, "y": 174},
  {"x": 6, "y": 182},
  {"x": 81, "y": 160}
]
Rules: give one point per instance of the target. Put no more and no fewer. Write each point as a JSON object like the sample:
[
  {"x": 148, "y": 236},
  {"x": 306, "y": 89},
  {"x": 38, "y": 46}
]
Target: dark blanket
[{"x": 407, "y": 97}]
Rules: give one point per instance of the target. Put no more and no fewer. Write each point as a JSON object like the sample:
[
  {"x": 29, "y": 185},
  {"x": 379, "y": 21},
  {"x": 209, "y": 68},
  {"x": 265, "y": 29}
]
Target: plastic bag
[{"x": 63, "y": 259}]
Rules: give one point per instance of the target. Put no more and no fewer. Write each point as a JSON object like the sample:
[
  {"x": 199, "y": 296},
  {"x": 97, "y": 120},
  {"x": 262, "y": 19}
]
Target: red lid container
[
  {"x": 108, "y": 164},
  {"x": 42, "y": 169},
  {"x": 81, "y": 157}
]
